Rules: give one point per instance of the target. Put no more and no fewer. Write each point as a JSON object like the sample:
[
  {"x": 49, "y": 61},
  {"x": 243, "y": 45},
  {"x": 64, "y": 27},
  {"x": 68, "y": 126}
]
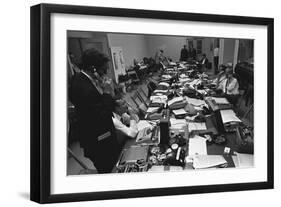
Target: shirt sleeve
[
  {"x": 131, "y": 131},
  {"x": 232, "y": 87}
]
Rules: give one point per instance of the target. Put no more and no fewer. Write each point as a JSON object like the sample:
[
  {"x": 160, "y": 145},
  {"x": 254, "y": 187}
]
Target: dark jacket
[
  {"x": 184, "y": 54},
  {"x": 95, "y": 126}
]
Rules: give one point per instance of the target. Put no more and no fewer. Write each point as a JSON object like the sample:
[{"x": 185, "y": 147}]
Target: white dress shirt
[
  {"x": 131, "y": 131},
  {"x": 229, "y": 86},
  {"x": 216, "y": 52}
]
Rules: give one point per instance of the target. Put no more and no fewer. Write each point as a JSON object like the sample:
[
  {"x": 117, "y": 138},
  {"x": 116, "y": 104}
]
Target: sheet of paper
[
  {"x": 175, "y": 100},
  {"x": 160, "y": 91},
  {"x": 208, "y": 161},
  {"x": 183, "y": 80},
  {"x": 143, "y": 124},
  {"x": 195, "y": 82},
  {"x": 195, "y": 101},
  {"x": 229, "y": 116},
  {"x": 164, "y": 84},
  {"x": 198, "y": 108},
  {"x": 152, "y": 109},
  {"x": 219, "y": 100},
  {"x": 158, "y": 99},
  {"x": 190, "y": 118},
  {"x": 203, "y": 92},
  {"x": 197, "y": 146},
  {"x": 166, "y": 76},
  {"x": 179, "y": 112},
  {"x": 196, "y": 126},
  {"x": 177, "y": 123},
  {"x": 245, "y": 160}
]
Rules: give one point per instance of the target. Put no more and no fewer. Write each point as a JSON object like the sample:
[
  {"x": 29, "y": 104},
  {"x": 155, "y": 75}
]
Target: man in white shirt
[
  {"x": 230, "y": 86},
  {"x": 124, "y": 120},
  {"x": 216, "y": 59}
]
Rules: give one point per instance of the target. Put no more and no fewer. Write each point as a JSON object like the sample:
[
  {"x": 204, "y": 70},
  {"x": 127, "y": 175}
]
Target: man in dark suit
[
  {"x": 204, "y": 62},
  {"x": 94, "y": 112},
  {"x": 184, "y": 54},
  {"x": 192, "y": 52}
]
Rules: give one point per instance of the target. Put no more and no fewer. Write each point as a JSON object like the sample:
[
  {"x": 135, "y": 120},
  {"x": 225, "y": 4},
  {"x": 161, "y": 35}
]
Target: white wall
[
  {"x": 134, "y": 46},
  {"x": 171, "y": 45},
  {"x": 15, "y": 103}
]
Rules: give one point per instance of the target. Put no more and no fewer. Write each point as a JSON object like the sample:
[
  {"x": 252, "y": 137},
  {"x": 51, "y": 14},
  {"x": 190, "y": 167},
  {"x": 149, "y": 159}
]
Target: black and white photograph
[
  {"x": 150, "y": 103},
  {"x": 135, "y": 103}
]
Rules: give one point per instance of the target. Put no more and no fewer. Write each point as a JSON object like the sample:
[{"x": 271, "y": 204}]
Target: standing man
[
  {"x": 216, "y": 59},
  {"x": 93, "y": 103},
  {"x": 192, "y": 52},
  {"x": 184, "y": 54}
]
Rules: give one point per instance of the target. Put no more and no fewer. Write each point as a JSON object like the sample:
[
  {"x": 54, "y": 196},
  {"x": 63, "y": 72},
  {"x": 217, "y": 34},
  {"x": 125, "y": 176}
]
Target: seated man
[
  {"x": 125, "y": 121},
  {"x": 230, "y": 86}
]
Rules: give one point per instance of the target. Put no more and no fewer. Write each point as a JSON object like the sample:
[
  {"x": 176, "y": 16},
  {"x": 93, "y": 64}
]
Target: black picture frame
[{"x": 41, "y": 99}]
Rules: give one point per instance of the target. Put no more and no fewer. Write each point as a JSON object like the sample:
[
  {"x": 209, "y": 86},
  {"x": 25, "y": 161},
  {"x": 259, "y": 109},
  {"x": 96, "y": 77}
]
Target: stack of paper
[
  {"x": 166, "y": 76},
  {"x": 152, "y": 109},
  {"x": 196, "y": 126},
  {"x": 175, "y": 100},
  {"x": 177, "y": 123},
  {"x": 160, "y": 91},
  {"x": 179, "y": 112},
  {"x": 195, "y": 101},
  {"x": 164, "y": 84},
  {"x": 197, "y": 146},
  {"x": 219, "y": 100},
  {"x": 158, "y": 99},
  {"x": 229, "y": 116},
  {"x": 208, "y": 161}
]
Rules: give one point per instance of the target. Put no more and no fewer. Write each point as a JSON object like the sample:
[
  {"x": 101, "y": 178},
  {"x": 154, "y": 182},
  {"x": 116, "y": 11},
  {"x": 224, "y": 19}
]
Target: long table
[{"x": 212, "y": 148}]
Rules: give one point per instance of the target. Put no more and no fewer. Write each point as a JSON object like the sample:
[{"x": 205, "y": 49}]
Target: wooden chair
[
  {"x": 142, "y": 107},
  {"x": 143, "y": 96}
]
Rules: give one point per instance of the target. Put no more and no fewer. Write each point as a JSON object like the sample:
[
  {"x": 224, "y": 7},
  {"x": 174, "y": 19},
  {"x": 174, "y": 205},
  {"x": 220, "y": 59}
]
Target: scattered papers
[
  {"x": 152, "y": 109},
  {"x": 220, "y": 100},
  {"x": 195, "y": 101},
  {"x": 179, "y": 112},
  {"x": 175, "y": 100},
  {"x": 196, "y": 126},
  {"x": 197, "y": 146},
  {"x": 208, "y": 161},
  {"x": 229, "y": 116}
]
